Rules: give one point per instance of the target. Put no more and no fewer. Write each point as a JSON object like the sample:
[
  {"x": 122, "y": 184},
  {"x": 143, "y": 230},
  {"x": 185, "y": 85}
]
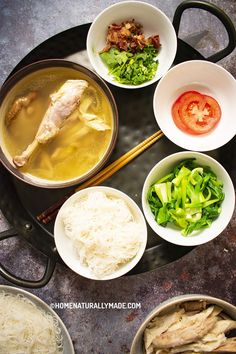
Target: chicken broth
[{"x": 80, "y": 143}]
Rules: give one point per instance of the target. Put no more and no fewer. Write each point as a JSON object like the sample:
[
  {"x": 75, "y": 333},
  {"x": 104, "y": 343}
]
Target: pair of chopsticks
[{"x": 47, "y": 215}]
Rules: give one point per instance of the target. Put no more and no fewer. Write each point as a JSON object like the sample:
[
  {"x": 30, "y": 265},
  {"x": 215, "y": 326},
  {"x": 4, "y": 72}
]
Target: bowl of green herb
[
  {"x": 131, "y": 44},
  {"x": 188, "y": 198}
]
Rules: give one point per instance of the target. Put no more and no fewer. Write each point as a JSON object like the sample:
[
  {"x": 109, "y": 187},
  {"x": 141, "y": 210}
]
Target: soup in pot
[{"x": 52, "y": 131}]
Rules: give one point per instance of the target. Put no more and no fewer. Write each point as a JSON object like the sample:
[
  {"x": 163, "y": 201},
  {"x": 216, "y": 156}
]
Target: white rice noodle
[{"x": 27, "y": 329}]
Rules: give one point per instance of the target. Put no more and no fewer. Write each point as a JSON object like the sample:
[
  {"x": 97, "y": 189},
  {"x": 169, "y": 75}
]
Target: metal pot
[{"x": 5, "y": 94}]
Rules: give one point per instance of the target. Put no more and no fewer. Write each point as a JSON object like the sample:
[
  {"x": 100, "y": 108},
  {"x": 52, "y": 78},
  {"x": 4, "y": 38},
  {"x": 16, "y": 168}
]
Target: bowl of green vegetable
[
  {"x": 188, "y": 198},
  {"x": 131, "y": 44}
]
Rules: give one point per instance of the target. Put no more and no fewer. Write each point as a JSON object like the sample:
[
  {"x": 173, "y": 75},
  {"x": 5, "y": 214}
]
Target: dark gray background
[{"x": 209, "y": 269}]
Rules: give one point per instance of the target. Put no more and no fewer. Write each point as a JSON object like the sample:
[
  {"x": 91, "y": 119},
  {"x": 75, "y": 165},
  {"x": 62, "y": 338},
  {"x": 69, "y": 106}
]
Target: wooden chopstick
[{"x": 49, "y": 214}]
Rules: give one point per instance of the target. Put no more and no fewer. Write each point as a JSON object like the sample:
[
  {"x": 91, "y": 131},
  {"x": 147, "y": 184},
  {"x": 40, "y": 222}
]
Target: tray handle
[
  {"x": 221, "y": 15},
  {"x": 49, "y": 269}
]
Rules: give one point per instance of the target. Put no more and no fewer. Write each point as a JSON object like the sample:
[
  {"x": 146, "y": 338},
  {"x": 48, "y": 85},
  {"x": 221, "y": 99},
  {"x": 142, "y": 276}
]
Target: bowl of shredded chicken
[
  {"x": 100, "y": 233},
  {"x": 188, "y": 324}
]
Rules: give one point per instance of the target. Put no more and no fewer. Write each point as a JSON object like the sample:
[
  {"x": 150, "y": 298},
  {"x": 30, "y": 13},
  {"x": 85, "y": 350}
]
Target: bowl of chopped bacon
[{"x": 131, "y": 44}]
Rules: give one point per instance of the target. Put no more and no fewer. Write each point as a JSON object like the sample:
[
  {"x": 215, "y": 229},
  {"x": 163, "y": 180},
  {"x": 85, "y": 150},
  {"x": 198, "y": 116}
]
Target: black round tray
[{"x": 20, "y": 202}]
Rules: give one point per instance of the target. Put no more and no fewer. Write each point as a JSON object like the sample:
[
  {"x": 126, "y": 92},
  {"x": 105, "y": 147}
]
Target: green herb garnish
[
  {"x": 190, "y": 196},
  {"x": 131, "y": 68}
]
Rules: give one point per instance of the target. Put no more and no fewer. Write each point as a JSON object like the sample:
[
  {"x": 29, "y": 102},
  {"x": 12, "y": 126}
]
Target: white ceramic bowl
[
  {"x": 166, "y": 306},
  {"x": 65, "y": 246},
  {"x": 207, "y": 78},
  {"x": 171, "y": 233},
  {"x": 154, "y": 22}
]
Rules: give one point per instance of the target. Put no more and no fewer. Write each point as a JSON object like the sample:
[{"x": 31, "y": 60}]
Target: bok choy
[{"x": 189, "y": 196}]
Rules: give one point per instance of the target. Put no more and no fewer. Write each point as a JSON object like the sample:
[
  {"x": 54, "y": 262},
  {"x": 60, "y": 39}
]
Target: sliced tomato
[
  {"x": 196, "y": 113},
  {"x": 176, "y": 110},
  {"x": 176, "y": 117}
]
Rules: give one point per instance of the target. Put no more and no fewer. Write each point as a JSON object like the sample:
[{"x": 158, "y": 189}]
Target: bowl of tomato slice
[{"x": 193, "y": 105}]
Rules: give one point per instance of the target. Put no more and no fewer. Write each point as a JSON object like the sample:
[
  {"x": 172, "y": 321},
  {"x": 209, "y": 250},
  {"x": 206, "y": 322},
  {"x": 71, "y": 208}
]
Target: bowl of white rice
[{"x": 100, "y": 233}]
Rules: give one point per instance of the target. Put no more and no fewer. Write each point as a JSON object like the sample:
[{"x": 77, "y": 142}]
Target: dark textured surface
[{"x": 209, "y": 269}]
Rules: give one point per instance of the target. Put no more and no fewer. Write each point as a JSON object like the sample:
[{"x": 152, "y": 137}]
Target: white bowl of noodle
[
  {"x": 100, "y": 233},
  {"x": 58, "y": 123}
]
